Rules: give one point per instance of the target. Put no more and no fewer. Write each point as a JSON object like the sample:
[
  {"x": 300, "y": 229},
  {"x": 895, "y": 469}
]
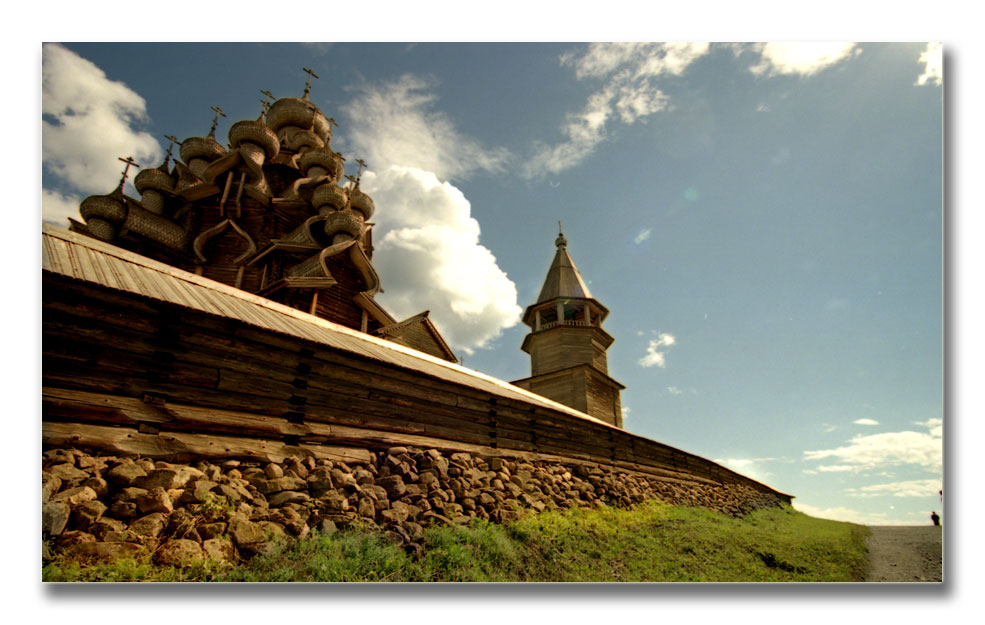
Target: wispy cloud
[
  {"x": 673, "y": 390},
  {"x": 629, "y": 94},
  {"x": 933, "y": 65},
  {"x": 866, "y": 452},
  {"x": 396, "y": 123},
  {"x": 800, "y": 58},
  {"x": 654, "y": 357},
  {"x": 910, "y": 488},
  {"x": 865, "y": 422},
  {"x": 86, "y": 119},
  {"x": 643, "y": 235},
  {"x": 841, "y": 513}
]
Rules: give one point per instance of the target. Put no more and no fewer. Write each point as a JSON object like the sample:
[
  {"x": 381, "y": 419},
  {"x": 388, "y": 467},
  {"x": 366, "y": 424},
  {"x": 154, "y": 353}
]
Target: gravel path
[{"x": 899, "y": 553}]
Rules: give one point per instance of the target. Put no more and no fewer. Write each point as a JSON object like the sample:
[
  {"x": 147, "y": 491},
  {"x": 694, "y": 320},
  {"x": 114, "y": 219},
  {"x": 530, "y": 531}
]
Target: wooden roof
[
  {"x": 563, "y": 280},
  {"x": 84, "y": 258}
]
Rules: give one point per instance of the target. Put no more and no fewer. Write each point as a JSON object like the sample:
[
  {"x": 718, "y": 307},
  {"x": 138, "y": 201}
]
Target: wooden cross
[
  {"x": 359, "y": 173},
  {"x": 351, "y": 179},
  {"x": 173, "y": 140},
  {"x": 264, "y": 101},
  {"x": 307, "y": 85},
  {"x": 215, "y": 120},
  {"x": 129, "y": 161},
  {"x": 332, "y": 123},
  {"x": 560, "y": 230}
]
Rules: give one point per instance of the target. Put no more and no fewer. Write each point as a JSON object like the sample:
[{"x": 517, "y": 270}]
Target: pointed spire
[{"x": 563, "y": 280}]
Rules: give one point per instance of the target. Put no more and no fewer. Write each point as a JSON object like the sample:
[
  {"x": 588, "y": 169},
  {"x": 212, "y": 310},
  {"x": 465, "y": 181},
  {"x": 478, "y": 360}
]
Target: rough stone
[
  {"x": 75, "y": 496},
  {"x": 106, "y": 552},
  {"x": 54, "y": 517},
  {"x": 219, "y": 549},
  {"x": 178, "y": 552},
  {"x": 150, "y": 525},
  {"x": 88, "y": 513},
  {"x": 123, "y": 475},
  {"x": 156, "y": 500},
  {"x": 49, "y": 485},
  {"x": 288, "y": 496},
  {"x": 67, "y": 473}
]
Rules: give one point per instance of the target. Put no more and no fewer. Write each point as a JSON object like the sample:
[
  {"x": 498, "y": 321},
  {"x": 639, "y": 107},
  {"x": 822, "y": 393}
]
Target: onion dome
[
  {"x": 255, "y": 132},
  {"x": 157, "y": 179},
  {"x": 205, "y": 148},
  {"x": 361, "y": 202},
  {"x": 329, "y": 196},
  {"x": 343, "y": 223},
  {"x": 322, "y": 162},
  {"x": 561, "y": 241},
  {"x": 104, "y": 214},
  {"x": 298, "y": 140},
  {"x": 150, "y": 183},
  {"x": 298, "y": 112}
]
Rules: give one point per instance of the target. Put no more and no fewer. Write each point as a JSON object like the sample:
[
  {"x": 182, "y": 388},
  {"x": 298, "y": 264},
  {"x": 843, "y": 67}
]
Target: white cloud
[
  {"x": 427, "y": 243},
  {"x": 801, "y": 58},
  {"x": 865, "y": 452},
  {"x": 87, "y": 122},
  {"x": 933, "y": 65},
  {"x": 865, "y": 422},
  {"x": 936, "y": 426},
  {"x": 629, "y": 94},
  {"x": 429, "y": 258},
  {"x": 910, "y": 488},
  {"x": 654, "y": 357},
  {"x": 673, "y": 390},
  {"x": 643, "y": 235},
  {"x": 840, "y": 513},
  {"x": 395, "y": 124},
  {"x": 750, "y": 467},
  {"x": 56, "y": 207}
]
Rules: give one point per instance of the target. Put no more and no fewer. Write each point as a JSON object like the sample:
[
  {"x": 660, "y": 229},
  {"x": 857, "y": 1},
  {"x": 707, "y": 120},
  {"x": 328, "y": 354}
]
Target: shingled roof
[{"x": 563, "y": 280}]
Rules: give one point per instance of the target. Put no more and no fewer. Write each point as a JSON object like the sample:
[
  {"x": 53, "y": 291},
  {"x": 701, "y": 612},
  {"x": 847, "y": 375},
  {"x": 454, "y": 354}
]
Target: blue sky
[{"x": 764, "y": 222}]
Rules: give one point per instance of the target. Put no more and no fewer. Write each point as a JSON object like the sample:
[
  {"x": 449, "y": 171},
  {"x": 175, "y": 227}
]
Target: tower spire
[{"x": 567, "y": 344}]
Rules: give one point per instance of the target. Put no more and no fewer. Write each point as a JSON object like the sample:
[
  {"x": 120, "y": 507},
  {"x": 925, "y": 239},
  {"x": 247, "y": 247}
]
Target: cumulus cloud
[
  {"x": 865, "y": 452},
  {"x": 800, "y": 58},
  {"x": 429, "y": 258},
  {"x": 629, "y": 93},
  {"x": 57, "y": 207},
  {"x": 865, "y": 422},
  {"x": 395, "y": 123},
  {"x": 933, "y": 65},
  {"x": 654, "y": 357},
  {"x": 87, "y": 121},
  {"x": 427, "y": 243},
  {"x": 910, "y": 488}
]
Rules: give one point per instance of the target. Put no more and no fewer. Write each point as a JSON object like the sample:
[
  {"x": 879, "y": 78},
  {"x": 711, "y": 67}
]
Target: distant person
[{"x": 933, "y": 517}]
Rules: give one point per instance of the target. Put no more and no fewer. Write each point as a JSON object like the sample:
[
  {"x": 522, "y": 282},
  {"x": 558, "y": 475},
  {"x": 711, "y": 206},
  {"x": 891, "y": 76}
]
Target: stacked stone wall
[{"x": 101, "y": 506}]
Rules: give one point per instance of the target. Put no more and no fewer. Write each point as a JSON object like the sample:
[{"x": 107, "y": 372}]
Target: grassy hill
[{"x": 651, "y": 543}]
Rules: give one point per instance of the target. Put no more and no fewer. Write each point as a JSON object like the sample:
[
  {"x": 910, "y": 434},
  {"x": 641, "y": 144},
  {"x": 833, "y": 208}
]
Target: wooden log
[{"x": 183, "y": 446}]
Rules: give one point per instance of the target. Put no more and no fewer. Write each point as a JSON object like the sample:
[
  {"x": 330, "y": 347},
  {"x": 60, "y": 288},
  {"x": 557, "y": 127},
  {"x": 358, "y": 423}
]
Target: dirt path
[{"x": 899, "y": 553}]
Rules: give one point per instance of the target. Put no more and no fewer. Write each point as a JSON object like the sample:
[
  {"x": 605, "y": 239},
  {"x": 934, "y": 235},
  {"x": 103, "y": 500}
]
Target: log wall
[{"x": 134, "y": 374}]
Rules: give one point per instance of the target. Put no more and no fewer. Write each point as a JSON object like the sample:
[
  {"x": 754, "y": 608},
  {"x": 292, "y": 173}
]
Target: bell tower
[{"x": 567, "y": 344}]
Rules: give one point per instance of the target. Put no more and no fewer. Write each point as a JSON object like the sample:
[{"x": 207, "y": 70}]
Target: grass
[{"x": 651, "y": 543}]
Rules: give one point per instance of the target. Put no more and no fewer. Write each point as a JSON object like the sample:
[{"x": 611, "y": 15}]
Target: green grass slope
[{"x": 651, "y": 543}]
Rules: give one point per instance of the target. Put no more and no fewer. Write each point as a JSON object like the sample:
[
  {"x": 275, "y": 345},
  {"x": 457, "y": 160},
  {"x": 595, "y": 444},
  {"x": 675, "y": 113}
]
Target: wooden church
[{"x": 267, "y": 215}]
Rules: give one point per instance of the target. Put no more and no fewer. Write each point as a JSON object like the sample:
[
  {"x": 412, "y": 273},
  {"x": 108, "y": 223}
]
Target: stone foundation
[{"x": 102, "y": 507}]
